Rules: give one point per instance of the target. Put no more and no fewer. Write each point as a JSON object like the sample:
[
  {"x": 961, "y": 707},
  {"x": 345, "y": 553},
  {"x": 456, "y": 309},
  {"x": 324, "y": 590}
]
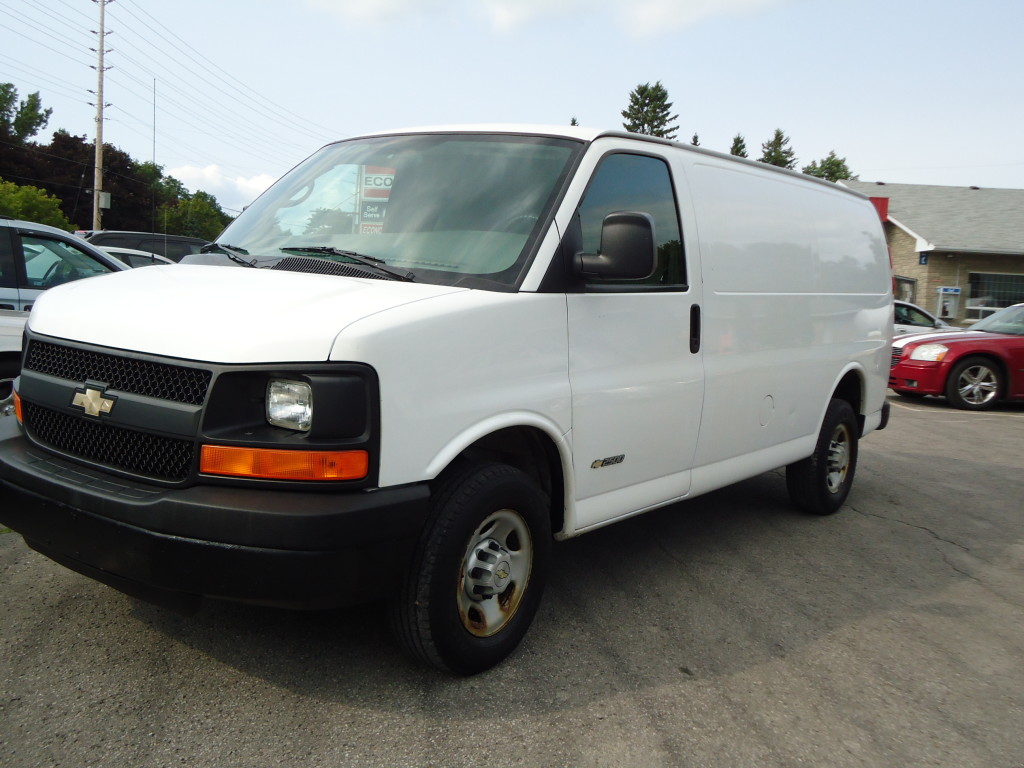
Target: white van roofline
[{"x": 580, "y": 133}]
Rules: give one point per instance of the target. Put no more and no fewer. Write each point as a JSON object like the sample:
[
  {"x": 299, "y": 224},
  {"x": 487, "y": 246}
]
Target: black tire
[
  {"x": 974, "y": 384},
  {"x": 820, "y": 483},
  {"x": 476, "y": 580}
]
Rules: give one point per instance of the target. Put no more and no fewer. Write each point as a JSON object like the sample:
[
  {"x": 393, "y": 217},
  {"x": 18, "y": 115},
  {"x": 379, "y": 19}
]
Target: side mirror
[{"x": 627, "y": 248}]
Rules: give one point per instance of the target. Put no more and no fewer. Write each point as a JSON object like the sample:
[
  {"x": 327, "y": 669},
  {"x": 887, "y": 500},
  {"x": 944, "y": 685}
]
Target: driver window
[
  {"x": 918, "y": 318},
  {"x": 50, "y": 262},
  {"x": 625, "y": 182}
]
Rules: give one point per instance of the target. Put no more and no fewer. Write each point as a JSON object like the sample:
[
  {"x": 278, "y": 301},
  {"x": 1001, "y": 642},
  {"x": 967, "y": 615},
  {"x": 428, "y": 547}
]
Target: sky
[{"x": 227, "y": 95}]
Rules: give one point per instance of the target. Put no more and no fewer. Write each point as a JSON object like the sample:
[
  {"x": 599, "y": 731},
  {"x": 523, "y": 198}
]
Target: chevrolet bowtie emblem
[{"x": 93, "y": 401}]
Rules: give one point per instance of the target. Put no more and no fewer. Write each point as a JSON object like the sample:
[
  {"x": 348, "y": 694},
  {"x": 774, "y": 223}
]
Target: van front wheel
[
  {"x": 476, "y": 580},
  {"x": 820, "y": 483}
]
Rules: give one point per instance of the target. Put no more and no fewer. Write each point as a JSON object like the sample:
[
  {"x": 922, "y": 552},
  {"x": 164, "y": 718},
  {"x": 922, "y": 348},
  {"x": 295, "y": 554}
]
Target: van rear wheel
[
  {"x": 475, "y": 582},
  {"x": 820, "y": 483}
]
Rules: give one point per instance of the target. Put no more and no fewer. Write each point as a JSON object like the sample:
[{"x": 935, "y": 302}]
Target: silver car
[
  {"x": 34, "y": 257},
  {"x": 910, "y": 318}
]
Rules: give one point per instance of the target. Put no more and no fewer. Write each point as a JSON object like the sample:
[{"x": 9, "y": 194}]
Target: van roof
[{"x": 580, "y": 133}]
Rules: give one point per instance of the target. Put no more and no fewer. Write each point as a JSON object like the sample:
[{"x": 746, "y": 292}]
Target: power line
[
  {"x": 62, "y": 20},
  {"x": 38, "y": 76},
  {"x": 196, "y": 94},
  {"x": 86, "y": 17},
  {"x": 328, "y": 132},
  {"x": 246, "y": 132},
  {"x": 48, "y": 31},
  {"x": 253, "y": 133},
  {"x": 47, "y": 47},
  {"x": 218, "y": 85}
]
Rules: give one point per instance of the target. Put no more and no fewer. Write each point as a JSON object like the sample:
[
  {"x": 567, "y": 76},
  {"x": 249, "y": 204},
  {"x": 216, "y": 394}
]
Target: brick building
[{"x": 956, "y": 251}]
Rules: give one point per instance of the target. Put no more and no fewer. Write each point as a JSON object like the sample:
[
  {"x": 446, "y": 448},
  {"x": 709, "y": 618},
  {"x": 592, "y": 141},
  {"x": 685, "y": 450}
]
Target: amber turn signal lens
[
  {"x": 17, "y": 408},
  {"x": 273, "y": 464}
]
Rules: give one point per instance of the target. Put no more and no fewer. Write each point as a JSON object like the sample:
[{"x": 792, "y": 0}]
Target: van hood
[{"x": 219, "y": 314}]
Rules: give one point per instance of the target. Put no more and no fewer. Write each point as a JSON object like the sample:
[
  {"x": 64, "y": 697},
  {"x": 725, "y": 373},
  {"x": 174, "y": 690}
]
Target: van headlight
[
  {"x": 931, "y": 352},
  {"x": 290, "y": 404}
]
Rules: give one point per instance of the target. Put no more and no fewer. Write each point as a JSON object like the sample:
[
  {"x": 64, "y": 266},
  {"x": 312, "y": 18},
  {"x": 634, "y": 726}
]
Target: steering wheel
[
  {"x": 51, "y": 272},
  {"x": 60, "y": 272}
]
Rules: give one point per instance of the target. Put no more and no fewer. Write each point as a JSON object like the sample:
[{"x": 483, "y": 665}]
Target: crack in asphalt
[
  {"x": 931, "y": 533},
  {"x": 927, "y": 530}
]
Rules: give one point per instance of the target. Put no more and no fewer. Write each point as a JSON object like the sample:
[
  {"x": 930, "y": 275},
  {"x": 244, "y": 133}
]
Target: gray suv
[{"x": 174, "y": 247}]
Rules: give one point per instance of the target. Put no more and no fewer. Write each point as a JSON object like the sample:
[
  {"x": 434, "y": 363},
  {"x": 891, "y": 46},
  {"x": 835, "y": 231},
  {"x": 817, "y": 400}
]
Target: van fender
[
  {"x": 851, "y": 385},
  {"x": 469, "y": 436}
]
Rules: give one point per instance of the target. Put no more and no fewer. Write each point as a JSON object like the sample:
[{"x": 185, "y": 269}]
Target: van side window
[{"x": 625, "y": 182}]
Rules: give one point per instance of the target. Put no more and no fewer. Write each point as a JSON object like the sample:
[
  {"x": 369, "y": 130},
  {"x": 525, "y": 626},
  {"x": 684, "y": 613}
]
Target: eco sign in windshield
[{"x": 438, "y": 208}]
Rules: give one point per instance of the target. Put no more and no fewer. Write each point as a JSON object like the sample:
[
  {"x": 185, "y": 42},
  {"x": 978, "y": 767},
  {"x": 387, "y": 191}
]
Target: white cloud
[
  {"x": 648, "y": 18},
  {"x": 375, "y": 11},
  {"x": 642, "y": 18},
  {"x": 232, "y": 192}
]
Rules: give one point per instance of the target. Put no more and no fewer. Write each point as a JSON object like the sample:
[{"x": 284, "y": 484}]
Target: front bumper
[
  {"x": 924, "y": 377},
  {"x": 173, "y": 546}
]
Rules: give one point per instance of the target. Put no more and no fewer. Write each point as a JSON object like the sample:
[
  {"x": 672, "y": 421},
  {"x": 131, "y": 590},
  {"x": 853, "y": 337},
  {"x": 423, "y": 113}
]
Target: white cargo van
[{"x": 421, "y": 357}]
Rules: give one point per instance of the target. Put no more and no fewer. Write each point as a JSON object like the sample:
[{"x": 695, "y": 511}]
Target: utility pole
[{"x": 97, "y": 182}]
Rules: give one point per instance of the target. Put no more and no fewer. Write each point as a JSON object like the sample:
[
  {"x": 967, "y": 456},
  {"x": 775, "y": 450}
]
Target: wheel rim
[
  {"x": 495, "y": 572},
  {"x": 977, "y": 384},
  {"x": 838, "y": 463}
]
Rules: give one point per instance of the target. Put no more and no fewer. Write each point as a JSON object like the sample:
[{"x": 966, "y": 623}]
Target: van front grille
[
  {"x": 139, "y": 453},
  {"x": 177, "y": 383}
]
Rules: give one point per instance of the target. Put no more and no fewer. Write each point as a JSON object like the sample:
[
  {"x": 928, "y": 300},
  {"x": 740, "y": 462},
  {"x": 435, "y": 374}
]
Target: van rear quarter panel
[{"x": 796, "y": 293}]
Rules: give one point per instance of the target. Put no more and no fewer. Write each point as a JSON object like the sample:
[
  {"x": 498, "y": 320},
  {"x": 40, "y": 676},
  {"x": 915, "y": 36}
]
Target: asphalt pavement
[{"x": 727, "y": 631}]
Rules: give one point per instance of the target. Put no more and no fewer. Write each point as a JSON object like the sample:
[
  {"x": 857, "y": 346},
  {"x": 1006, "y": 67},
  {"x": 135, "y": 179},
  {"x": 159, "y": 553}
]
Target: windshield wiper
[
  {"x": 231, "y": 251},
  {"x": 367, "y": 261}
]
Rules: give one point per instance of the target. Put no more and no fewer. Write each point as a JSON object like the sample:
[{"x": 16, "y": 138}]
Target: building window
[
  {"x": 988, "y": 293},
  {"x": 906, "y": 289}
]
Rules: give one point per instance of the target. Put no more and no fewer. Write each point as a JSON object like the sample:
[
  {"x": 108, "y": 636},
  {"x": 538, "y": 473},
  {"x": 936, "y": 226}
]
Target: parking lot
[{"x": 725, "y": 631}]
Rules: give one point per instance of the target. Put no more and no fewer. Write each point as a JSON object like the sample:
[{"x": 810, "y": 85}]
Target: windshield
[
  {"x": 447, "y": 208},
  {"x": 1008, "y": 320}
]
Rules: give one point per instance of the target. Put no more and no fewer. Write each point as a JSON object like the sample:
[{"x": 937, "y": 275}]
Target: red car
[{"x": 974, "y": 369}]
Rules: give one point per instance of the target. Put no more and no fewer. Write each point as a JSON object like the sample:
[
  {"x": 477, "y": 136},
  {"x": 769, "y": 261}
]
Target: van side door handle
[{"x": 694, "y": 328}]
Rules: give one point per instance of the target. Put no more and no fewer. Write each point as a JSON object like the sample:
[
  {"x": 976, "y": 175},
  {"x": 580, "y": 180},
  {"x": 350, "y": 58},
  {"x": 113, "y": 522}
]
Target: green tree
[
  {"x": 64, "y": 170},
  {"x": 649, "y": 112},
  {"x": 198, "y": 215},
  {"x": 574, "y": 121},
  {"x": 776, "y": 151},
  {"x": 325, "y": 221},
  {"x": 31, "y": 204},
  {"x": 739, "y": 146},
  {"x": 695, "y": 140},
  {"x": 832, "y": 168},
  {"x": 22, "y": 120}
]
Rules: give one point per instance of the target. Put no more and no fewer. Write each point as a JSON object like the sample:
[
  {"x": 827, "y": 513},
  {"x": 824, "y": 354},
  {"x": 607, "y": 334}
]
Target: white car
[
  {"x": 910, "y": 318},
  {"x": 133, "y": 257},
  {"x": 33, "y": 258},
  {"x": 12, "y": 324}
]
